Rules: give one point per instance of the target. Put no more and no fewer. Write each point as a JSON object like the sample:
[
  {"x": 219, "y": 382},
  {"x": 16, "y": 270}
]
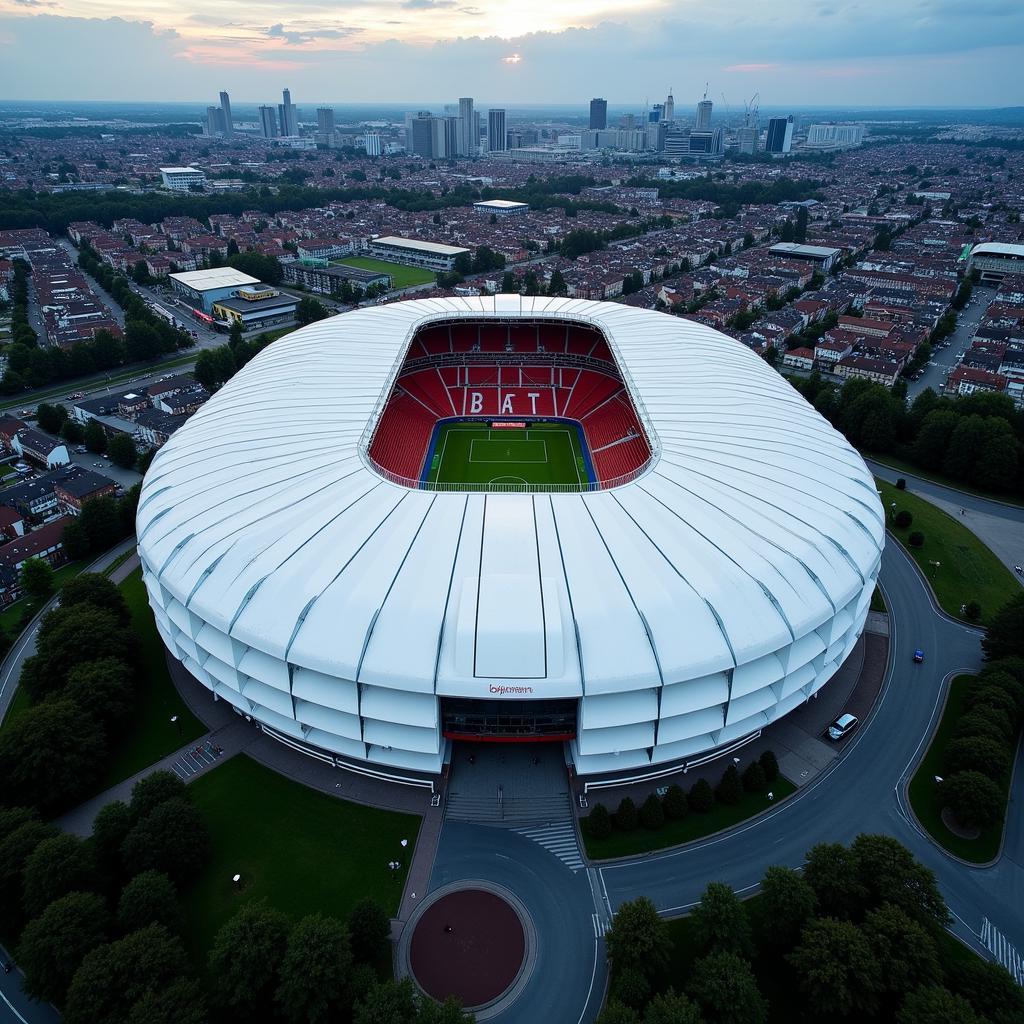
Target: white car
[{"x": 842, "y": 726}]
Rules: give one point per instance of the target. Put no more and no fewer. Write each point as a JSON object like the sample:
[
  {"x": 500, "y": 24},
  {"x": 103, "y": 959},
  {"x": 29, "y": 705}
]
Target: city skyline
[{"x": 933, "y": 53}]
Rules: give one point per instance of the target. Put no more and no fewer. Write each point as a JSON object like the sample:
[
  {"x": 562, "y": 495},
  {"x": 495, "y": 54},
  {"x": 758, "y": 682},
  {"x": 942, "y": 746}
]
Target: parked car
[
  {"x": 842, "y": 726},
  {"x": 918, "y": 656},
  {"x": 81, "y": 449}
]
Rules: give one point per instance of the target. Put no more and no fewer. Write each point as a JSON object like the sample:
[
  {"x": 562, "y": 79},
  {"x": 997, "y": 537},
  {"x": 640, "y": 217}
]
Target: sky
[{"x": 791, "y": 52}]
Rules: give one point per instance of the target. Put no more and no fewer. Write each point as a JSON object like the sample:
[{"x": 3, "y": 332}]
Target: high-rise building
[
  {"x": 449, "y": 136},
  {"x": 598, "y": 113},
  {"x": 497, "y": 141},
  {"x": 780, "y": 135},
  {"x": 746, "y": 139},
  {"x": 669, "y": 111},
  {"x": 469, "y": 138},
  {"x": 420, "y": 137},
  {"x": 215, "y": 121},
  {"x": 268, "y": 122},
  {"x": 703, "y": 122},
  {"x": 325, "y": 119},
  {"x": 834, "y": 136},
  {"x": 709, "y": 142},
  {"x": 656, "y": 114},
  {"x": 372, "y": 144},
  {"x": 229, "y": 123},
  {"x": 288, "y": 114}
]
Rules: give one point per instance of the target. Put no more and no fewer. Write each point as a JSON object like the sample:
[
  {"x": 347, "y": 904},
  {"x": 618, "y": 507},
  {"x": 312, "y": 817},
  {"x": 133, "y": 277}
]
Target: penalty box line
[{"x": 508, "y": 461}]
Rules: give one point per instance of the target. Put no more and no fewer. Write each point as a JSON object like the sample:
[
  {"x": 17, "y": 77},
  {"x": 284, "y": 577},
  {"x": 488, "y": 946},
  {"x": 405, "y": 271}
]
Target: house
[
  {"x": 873, "y": 368},
  {"x": 828, "y": 353},
  {"x": 9, "y": 426},
  {"x": 155, "y": 426},
  {"x": 965, "y": 380},
  {"x": 74, "y": 488},
  {"x": 11, "y": 523},
  {"x": 46, "y": 543},
  {"x": 799, "y": 359}
]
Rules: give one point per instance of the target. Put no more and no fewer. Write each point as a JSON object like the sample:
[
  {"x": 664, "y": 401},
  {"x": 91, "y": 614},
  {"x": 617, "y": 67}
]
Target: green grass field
[
  {"x": 401, "y": 275},
  {"x": 544, "y": 454},
  {"x": 300, "y": 851}
]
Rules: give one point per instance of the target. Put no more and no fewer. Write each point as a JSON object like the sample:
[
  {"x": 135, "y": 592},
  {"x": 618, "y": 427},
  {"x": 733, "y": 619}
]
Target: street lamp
[
  {"x": 237, "y": 879},
  {"x": 935, "y": 567},
  {"x": 175, "y": 722}
]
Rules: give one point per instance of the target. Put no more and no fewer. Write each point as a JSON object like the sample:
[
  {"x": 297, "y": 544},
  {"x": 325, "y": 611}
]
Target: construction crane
[
  {"x": 725, "y": 103},
  {"x": 752, "y": 111}
]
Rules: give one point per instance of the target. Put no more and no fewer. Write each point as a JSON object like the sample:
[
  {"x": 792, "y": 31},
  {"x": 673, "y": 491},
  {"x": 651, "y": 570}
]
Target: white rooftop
[
  {"x": 500, "y": 204},
  {"x": 998, "y": 249},
  {"x": 806, "y": 250},
  {"x": 180, "y": 170},
  {"x": 417, "y": 243},
  {"x": 215, "y": 277}
]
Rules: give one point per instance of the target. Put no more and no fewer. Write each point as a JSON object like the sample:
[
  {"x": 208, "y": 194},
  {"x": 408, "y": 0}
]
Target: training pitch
[{"x": 478, "y": 454}]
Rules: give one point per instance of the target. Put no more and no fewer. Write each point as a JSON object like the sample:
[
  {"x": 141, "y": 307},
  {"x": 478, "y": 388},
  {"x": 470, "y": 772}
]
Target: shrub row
[{"x": 677, "y": 802}]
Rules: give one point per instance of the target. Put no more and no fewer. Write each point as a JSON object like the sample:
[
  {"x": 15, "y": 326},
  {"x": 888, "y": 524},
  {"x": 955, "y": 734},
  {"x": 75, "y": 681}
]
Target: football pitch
[{"x": 481, "y": 456}]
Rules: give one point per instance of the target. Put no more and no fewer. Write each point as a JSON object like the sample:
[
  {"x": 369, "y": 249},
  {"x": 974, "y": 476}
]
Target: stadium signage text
[
  {"x": 502, "y": 690},
  {"x": 476, "y": 403},
  {"x": 509, "y": 424}
]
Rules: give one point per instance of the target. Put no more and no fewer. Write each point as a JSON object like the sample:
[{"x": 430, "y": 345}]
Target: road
[{"x": 945, "y": 360}]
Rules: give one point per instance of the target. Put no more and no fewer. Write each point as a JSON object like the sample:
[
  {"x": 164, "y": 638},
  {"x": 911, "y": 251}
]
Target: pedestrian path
[
  {"x": 1002, "y": 952},
  {"x": 192, "y": 761},
  {"x": 600, "y": 926},
  {"x": 559, "y": 840}
]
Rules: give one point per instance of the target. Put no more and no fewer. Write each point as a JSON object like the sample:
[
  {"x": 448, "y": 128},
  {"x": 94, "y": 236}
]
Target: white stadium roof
[{"x": 269, "y": 530}]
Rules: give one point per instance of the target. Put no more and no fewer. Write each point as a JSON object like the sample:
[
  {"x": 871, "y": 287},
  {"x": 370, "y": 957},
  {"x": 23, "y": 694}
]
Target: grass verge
[
  {"x": 923, "y": 791},
  {"x": 299, "y": 850},
  {"x": 967, "y": 571},
  {"x": 877, "y": 601},
  {"x": 401, "y": 275},
  {"x": 685, "y": 830},
  {"x": 149, "y": 733}
]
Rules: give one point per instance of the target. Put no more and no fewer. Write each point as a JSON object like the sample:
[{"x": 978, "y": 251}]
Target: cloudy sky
[{"x": 794, "y": 52}]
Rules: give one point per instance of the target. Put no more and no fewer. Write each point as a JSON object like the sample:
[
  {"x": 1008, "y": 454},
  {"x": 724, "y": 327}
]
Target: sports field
[
  {"x": 477, "y": 454},
  {"x": 401, "y": 275}
]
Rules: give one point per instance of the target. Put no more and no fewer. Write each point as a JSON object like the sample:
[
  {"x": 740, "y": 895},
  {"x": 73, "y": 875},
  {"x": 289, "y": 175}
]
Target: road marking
[
  {"x": 10, "y": 1006},
  {"x": 1002, "y": 952},
  {"x": 559, "y": 840},
  {"x": 600, "y": 926}
]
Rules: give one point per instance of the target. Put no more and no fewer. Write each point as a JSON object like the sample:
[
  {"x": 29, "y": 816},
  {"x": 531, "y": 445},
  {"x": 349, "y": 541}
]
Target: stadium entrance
[{"x": 508, "y": 721}]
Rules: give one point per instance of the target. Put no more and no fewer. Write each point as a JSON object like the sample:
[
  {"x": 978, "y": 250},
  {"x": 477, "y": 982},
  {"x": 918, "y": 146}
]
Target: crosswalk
[
  {"x": 194, "y": 760},
  {"x": 559, "y": 840},
  {"x": 995, "y": 942},
  {"x": 600, "y": 925}
]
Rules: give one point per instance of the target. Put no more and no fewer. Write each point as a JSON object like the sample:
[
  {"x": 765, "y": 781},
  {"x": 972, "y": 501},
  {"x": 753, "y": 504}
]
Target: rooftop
[
  {"x": 416, "y": 243},
  {"x": 215, "y": 277}
]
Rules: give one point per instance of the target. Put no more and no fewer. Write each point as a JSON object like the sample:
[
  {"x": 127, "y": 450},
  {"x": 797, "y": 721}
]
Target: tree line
[{"x": 858, "y": 935}]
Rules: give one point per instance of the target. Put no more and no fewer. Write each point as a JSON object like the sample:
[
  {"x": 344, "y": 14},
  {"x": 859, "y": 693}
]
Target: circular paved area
[{"x": 470, "y": 944}]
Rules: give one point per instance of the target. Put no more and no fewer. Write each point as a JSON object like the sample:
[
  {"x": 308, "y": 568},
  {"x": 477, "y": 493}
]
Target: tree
[
  {"x": 51, "y": 417},
  {"x": 972, "y": 611},
  {"x": 836, "y": 969},
  {"x": 172, "y": 838},
  {"x": 235, "y": 335},
  {"x": 180, "y": 1002},
  {"x": 652, "y": 815},
  {"x": 21, "y": 832},
  {"x": 753, "y": 778},
  {"x": 54, "y": 944},
  {"x": 112, "y": 823},
  {"x": 149, "y": 898},
  {"x": 638, "y": 937},
  {"x": 724, "y": 986},
  {"x": 831, "y": 871},
  {"x": 769, "y": 765},
  {"x": 314, "y": 972},
  {"x": 904, "y": 519},
  {"x": 888, "y": 873},
  {"x": 113, "y": 978},
  {"x": 973, "y": 799},
  {"x": 719, "y": 921},
  {"x": 245, "y": 958},
  {"x": 730, "y": 789},
  {"x": 630, "y": 987},
  {"x": 675, "y": 802},
  {"x": 977, "y": 754},
  {"x": 154, "y": 789},
  {"x": 933, "y": 1004},
  {"x": 1005, "y": 636},
  {"x": 37, "y": 578},
  {"x": 701, "y": 798},
  {"x": 671, "y": 1008},
  {"x": 309, "y": 310},
  {"x": 94, "y": 436},
  {"x": 617, "y": 1013},
  {"x": 904, "y": 948},
  {"x": 599, "y": 822},
  {"x": 122, "y": 451},
  {"x": 104, "y": 689},
  {"x": 390, "y": 1002},
  {"x": 916, "y": 539},
  {"x": 986, "y": 720},
  {"x": 787, "y": 903},
  {"x": 58, "y": 865},
  {"x": 51, "y": 754},
  {"x": 98, "y": 590},
  {"x": 988, "y": 987},
  {"x": 100, "y": 525},
  {"x": 369, "y": 931},
  {"x": 625, "y": 815},
  {"x": 557, "y": 285}
]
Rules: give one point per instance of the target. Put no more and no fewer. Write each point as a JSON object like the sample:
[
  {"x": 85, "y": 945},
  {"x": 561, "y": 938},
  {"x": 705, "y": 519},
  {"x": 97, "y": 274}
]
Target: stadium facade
[{"x": 644, "y": 617}]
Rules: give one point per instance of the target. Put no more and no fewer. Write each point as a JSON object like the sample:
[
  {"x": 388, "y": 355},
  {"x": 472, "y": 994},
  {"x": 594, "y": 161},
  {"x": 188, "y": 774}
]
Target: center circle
[{"x": 469, "y": 944}]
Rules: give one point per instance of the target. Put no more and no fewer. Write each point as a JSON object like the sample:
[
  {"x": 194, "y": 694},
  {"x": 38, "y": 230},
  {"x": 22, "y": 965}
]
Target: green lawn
[
  {"x": 685, "y": 830},
  {"x": 923, "y": 790},
  {"x": 877, "y": 601},
  {"x": 19, "y": 704},
  {"x": 902, "y": 466},
  {"x": 472, "y": 453},
  {"x": 401, "y": 275},
  {"x": 149, "y": 734},
  {"x": 300, "y": 850},
  {"x": 968, "y": 570}
]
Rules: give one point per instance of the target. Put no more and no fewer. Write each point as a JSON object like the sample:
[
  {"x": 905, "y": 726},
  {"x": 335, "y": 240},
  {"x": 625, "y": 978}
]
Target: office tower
[
  {"x": 447, "y": 136},
  {"x": 707, "y": 142},
  {"x": 214, "y": 117},
  {"x": 703, "y": 122},
  {"x": 325, "y": 119},
  {"x": 268, "y": 122},
  {"x": 372, "y": 144},
  {"x": 468, "y": 141},
  {"x": 834, "y": 136},
  {"x": 627, "y": 121},
  {"x": 746, "y": 139},
  {"x": 421, "y": 134},
  {"x": 229, "y": 123},
  {"x": 288, "y": 114},
  {"x": 496, "y": 139},
  {"x": 669, "y": 113},
  {"x": 656, "y": 114},
  {"x": 780, "y": 135},
  {"x": 598, "y": 113}
]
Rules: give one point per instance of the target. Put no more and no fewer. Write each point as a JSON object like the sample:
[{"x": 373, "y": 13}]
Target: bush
[
  {"x": 986, "y": 721},
  {"x": 986, "y": 696},
  {"x": 904, "y": 519},
  {"x": 599, "y": 822},
  {"x": 675, "y": 802},
  {"x": 701, "y": 798},
  {"x": 972, "y": 612},
  {"x": 901, "y": 484},
  {"x": 369, "y": 931},
  {"x": 631, "y": 988},
  {"x": 769, "y": 765},
  {"x": 974, "y": 799},
  {"x": 753, "y": 778},
  {"x": 916, "y": 539},
  {"x": 155, "y": 789},
  {"x": 730, "y": 789},
  {"x": 978, "y": 754},
  {"x": 652, "y": 814},
  {"x": 625, "y": 815}
]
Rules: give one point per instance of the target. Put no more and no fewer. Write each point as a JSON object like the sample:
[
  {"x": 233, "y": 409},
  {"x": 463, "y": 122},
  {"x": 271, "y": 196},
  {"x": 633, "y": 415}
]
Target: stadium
[{"x": 509, "y": 519}]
